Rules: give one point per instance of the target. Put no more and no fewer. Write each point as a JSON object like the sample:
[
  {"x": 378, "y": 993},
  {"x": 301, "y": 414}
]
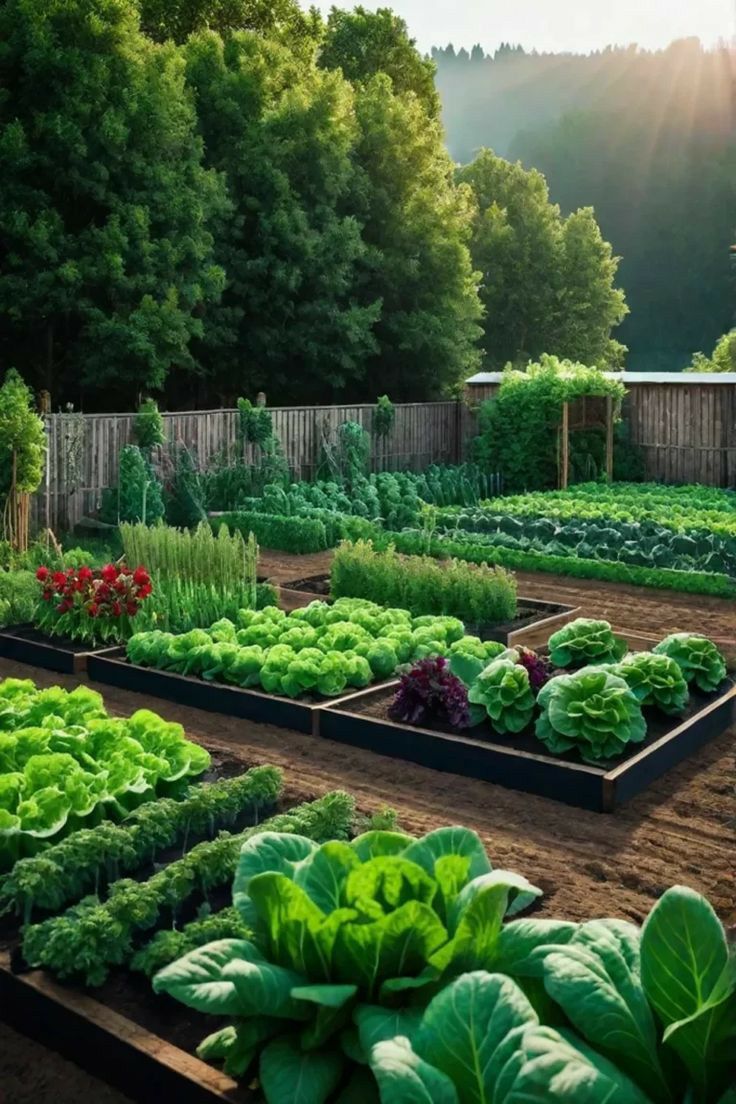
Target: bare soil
[{"x": 31, "y": 1074}]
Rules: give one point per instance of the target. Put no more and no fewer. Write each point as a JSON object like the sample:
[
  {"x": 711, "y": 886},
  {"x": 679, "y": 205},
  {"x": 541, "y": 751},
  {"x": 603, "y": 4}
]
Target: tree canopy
[{"x": 546, "y": 283}]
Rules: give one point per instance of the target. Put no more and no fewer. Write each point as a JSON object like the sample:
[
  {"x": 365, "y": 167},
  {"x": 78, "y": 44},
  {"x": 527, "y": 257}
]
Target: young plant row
[
  {"x": 423, "y": 585},
  {"x": 94, "y": 935},
  {"x": 397, "y": 970},
  {"x": 588, "y": 696},
  {"x": 89, "y": 859},
  {"x": 65, "y": 764},
  {"x": 320, "y": 649}
]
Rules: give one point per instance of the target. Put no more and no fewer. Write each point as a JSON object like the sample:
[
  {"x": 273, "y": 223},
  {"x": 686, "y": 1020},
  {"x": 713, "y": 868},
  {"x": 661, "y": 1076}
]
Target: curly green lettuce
[
  {"x": 592, "y": 711},
  {"x": 503, "y": 689},
  {"x": 656, "y": 680},
  {"x": 584, "y": 642},
  {"x": 697, "y": 657}
]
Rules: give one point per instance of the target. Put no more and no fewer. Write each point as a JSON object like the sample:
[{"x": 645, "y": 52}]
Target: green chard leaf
[{"x": 404, "y": 1078}]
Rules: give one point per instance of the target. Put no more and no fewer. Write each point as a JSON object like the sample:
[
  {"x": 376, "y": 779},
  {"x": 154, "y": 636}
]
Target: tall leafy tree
[
  {"x": 177, "y": 19},
  {"x": 282, "y": 131},
  {"x": 105, "y": 207},
  {"x": 417, "y": 224},
  {"x": 547, "y": 283},
  {"x": 363, "y": 43}
]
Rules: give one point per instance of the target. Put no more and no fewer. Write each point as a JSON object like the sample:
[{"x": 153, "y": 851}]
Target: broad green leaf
[
  {"x": 466, "y": 667},
  {"x": 398, "y": 985},
  {"x": 298, "y": 934},
  {"x": 398, "y": 944},
  {"x": 558, "y": 1069},
  {"x": 450, "y": 841},
  {"x": 322, "y": 874},
  {"x": 236, "y": 1046},
  {"x": 688, "y": 978},
  {"x": 403, "y": 1078},
  {"x": 520, "y": 941},
  {"x": 465, "y": 1024},
  {"x": 478, "y": 915},
  {"x": 371, "y": 845},
  {"x": 198, "y": 978},
  {"x": 605, "y": 1001},
  {"x": 520, "y": 893},
  {"x": 380, "y": 885},
  {"x": 328, "y": 996},
  {"x": 267, "y": 851},
  {"x": 292, "y": 1076},
  {"x": 376, "y": 1024},
  {"x": 333, "y": 1005},
  {"x": 265, "y": 990}
]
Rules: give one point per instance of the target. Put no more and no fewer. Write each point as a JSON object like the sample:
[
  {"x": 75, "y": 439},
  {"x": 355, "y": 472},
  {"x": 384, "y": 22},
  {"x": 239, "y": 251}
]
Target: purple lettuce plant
[
  {"x": 429, "y": 690},
  {"x": 538, "y": 668}
]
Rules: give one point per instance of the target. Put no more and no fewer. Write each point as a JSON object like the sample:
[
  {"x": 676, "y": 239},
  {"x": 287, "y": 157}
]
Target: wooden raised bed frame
[
  {"x": 580, "y": 784},
  {"x": 130, "y": 1058},
  {"x": 16, "y": 643}
]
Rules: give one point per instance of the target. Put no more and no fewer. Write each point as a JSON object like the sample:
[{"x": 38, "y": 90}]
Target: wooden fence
[
  {"x": 685, "y": 425},
  {"x": 83, "y": 450}
]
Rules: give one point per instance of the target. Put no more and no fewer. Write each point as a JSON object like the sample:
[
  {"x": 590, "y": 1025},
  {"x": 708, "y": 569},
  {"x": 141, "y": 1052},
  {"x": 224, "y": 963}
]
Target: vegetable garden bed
[
  {"x": 28, "y": 644},
  {"x": 519, "y": 762},
  {"x": 531, "y": 613},
  {"x": 301, "y": 715}
]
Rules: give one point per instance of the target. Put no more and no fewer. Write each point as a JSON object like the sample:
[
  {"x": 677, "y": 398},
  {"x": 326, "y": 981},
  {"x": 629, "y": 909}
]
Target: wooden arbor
[{"x": 585, "y": 412}]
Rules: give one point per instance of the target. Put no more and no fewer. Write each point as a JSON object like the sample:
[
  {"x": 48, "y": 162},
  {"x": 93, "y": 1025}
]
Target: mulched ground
[{"x": 683, "y": 829}]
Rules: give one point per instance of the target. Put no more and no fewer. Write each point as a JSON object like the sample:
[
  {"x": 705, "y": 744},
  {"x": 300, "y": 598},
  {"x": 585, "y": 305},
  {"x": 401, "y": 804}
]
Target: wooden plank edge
[{"x": 95, "y": 1017}]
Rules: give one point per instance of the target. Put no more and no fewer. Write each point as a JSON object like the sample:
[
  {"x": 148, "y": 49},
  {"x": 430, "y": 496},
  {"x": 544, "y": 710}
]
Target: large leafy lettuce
[{"x": 591, "y": 711}]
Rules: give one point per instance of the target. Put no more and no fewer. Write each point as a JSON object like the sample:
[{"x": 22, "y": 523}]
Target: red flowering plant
[{"x": 91, "y": 604}]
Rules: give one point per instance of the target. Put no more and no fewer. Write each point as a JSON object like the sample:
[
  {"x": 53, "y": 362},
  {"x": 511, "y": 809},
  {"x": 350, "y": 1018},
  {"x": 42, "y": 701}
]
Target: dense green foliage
[
  {"x": 722, "y": 359},
  {"x": 406, "y": 955},
  {"x": 423, "y": 585},
  {"x": 88, "y": 858},
  {"x": 319, "y": 649},
  {"x": 584, "y": 641},
  {"x": 547, "y": 283},
  {"x": 687, "y": 528},
  {"x": 518, "y": 427},
  {"x": 91, "y": 937},
  {"x": 138, "y": 495},
  {"x": 698, "y": 659},
  {"x": 91, "y": 767},
  {"x": 592, "y": 711},
  {"x": 148, "y": 427},
  {"x": 653, "y": 127}
]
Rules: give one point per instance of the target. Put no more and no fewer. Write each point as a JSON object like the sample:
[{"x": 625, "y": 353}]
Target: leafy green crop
[
  {"x": 504, "y": 691},
  {"x": 584, "y": 641},
  {"x": 347, "y": 938},
  {"x": 89, "y": 858},
  {"x": 655, "y": 679},
  {"x": 92, "y": 936},
  {"x": 592, "y": 711},
  {"x": 697, "y": 657},
  {"x": 64, "y": 764}
]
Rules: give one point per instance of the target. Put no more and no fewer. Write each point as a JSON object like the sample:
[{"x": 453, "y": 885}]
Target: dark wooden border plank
[{"x": 48, "y": 654}]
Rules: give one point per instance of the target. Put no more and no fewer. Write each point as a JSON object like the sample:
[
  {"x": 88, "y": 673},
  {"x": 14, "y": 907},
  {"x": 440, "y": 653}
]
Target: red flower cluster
[{"x": 112, "y": 591}]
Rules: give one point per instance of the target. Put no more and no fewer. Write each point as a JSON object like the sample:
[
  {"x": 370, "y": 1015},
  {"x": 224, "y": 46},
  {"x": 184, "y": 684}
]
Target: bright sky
[{"x": 555, "y": 25}]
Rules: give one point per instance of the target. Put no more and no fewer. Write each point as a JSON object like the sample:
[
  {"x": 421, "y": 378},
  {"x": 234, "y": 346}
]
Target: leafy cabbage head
[
  {"x": 656, "y": 680},
  {"x": 504, "y": 691},
  {"x": 584, "y": 642},
  {"x": 591, "y": 711},
  {"x": 697, "y": 657}
]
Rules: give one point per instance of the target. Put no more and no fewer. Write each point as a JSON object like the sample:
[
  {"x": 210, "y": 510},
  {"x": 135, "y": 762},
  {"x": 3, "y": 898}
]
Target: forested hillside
[{"x": 647, "y": 139}]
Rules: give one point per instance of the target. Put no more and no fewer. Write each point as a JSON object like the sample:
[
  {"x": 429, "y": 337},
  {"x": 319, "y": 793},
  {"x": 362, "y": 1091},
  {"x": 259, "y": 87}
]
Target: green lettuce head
[
  {"x": 584, "y": 642},
  {"x": 656, "y": 680},
  {"x": 697, "y": 657},
  {"x": 350, "y": 941},
  {"x": 591, "y": 711},
  {"x": 503, "y": 689}
]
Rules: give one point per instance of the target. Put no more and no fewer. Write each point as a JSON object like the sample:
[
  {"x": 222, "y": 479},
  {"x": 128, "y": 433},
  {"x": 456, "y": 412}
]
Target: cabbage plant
[
  {"x": 591, "y": 711},
  {"x": 584, "y": 642},
  {"x": 649, "y": 1017},
  {"x": 656, "y": 680},
  {"x": 349, "y": 941},
  {"x": 697, "y": 657},
  {"x": 504, "y": 691}
]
